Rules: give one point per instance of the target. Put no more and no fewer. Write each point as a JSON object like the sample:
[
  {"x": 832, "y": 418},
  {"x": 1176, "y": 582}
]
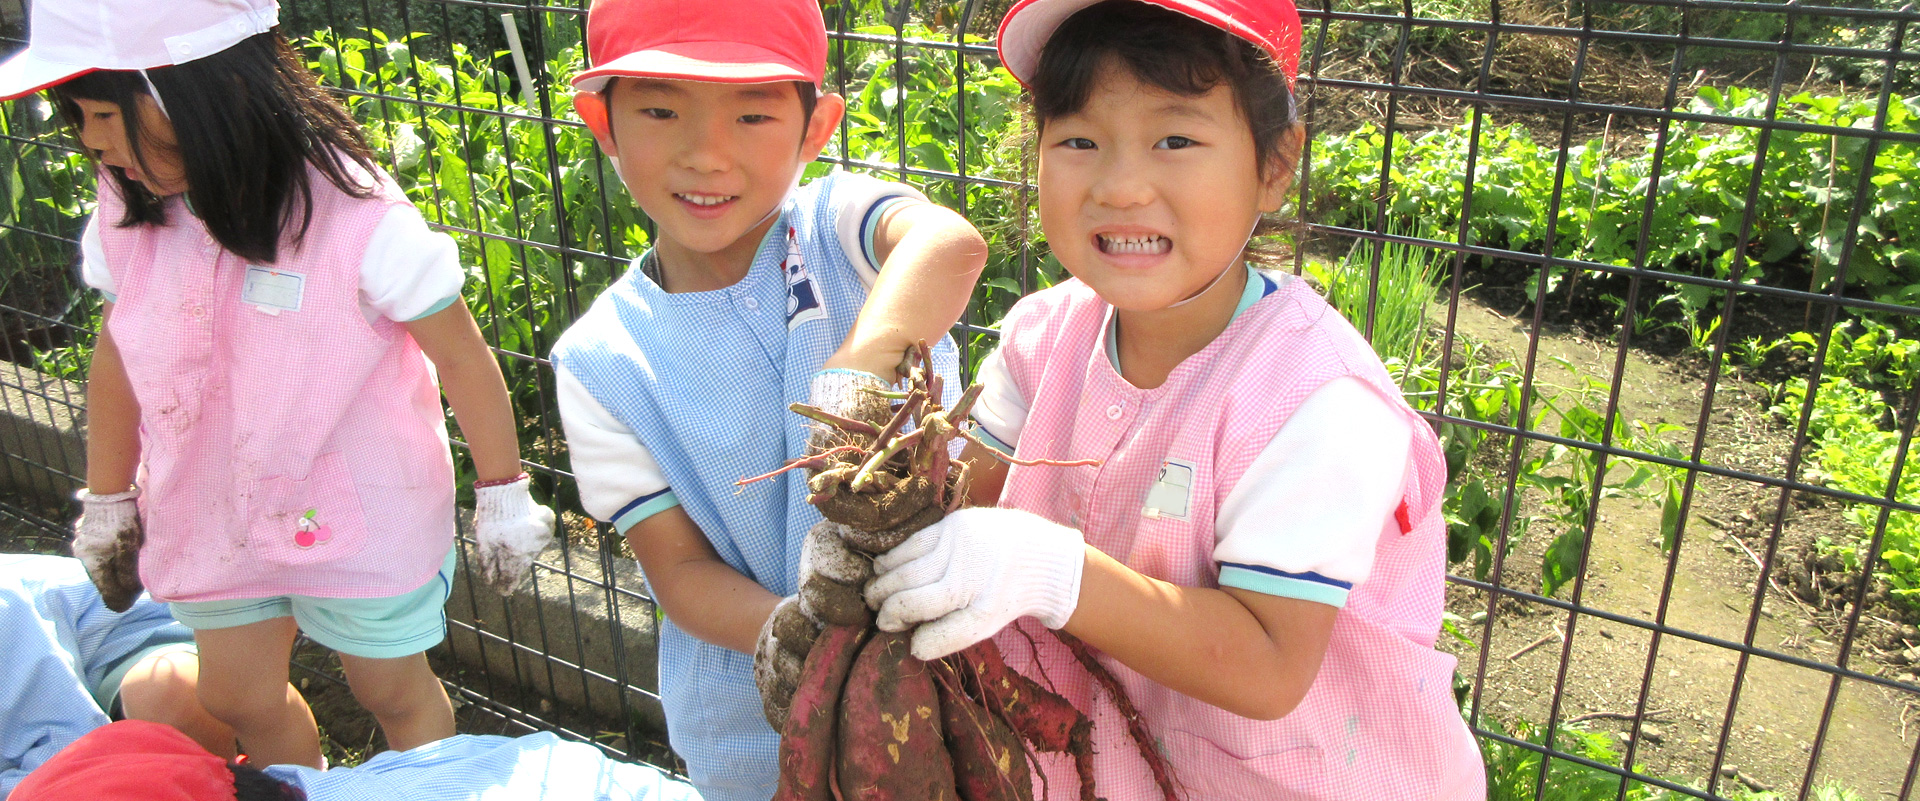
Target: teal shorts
[{"x": 374, "y": 628}]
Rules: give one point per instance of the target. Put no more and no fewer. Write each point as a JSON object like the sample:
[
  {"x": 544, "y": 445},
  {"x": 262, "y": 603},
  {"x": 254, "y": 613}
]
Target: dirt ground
[{"x": 1779, "y": 709}]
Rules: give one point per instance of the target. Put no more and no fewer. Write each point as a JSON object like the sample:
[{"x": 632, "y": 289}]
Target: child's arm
[
  {"x": 931, "y": 258},
  {"x": 113, "y": 418},
  {"x": 509, "y": 529},
  {"x": 699, "y": 591},
  {"x": 470, "y": 378}
]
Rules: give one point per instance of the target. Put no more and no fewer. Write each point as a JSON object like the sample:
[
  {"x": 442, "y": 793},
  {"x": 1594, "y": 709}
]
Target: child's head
[
  {"x": 1164, "y": 135},
  {"x": 138, "y": 759},
  {"x": 194, "y": 97},
  {"x": 710, "y": 109}
]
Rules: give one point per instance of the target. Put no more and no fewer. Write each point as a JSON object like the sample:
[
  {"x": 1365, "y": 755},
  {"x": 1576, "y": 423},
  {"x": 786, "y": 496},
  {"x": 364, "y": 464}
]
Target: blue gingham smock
[
  {"x": 470, "y": 767},
  {"x": 62, "y": 654},
  {"x": 703, "y": 380}
]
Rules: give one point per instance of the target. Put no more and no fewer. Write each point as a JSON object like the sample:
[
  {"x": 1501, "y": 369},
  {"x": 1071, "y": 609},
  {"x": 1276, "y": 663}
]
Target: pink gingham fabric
[
  {"x": 252, "y": 415},
  {"x": 1379, "y": 721}
]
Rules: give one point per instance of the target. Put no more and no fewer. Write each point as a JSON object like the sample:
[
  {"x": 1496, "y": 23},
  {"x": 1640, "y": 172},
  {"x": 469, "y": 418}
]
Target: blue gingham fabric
[
  {"x": 473, "y": 767},
  {"x": 704, "y": 380},
  {"x": 59, "y": 647}
]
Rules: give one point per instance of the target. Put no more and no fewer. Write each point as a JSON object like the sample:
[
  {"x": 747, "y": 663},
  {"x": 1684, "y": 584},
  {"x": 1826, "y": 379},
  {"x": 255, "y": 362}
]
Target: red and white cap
[
  {"x": 1272, "y": 25},
  {"x": 69, "y": 38},
  {"x": 722, "y": 41}
]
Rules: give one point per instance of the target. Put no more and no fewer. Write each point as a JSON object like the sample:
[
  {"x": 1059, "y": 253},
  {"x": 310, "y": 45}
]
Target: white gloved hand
[
  {"x": 107, "y": 540},
  {"x": 850, "y": 393},
  {"x": 509, "y": 530},
  {"x": 966, "y": 577}
]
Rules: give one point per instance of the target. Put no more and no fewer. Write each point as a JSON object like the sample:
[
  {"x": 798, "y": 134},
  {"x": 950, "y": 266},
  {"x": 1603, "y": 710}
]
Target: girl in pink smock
[
  {"x": 262, "y": 369},
  {"x": 1259, "y": 558}
]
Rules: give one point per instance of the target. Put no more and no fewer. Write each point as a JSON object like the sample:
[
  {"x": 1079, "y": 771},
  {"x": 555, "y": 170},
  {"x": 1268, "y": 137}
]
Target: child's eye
[
  {"x": 1176, "y": 143},
  {"x": 1077, "y": 143},
  {"x": 755, "y": 119},
  {"x": 658, "y": 113}
]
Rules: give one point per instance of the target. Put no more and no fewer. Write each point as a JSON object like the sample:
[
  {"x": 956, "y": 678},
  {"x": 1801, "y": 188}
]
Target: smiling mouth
[
  {"x": 698, "y": 199},
  {"x": 1138, "y": 245}
]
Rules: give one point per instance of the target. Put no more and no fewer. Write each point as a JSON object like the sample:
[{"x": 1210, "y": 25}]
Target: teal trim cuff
[
  {"x": 643, "y": 508},
  {"x": 1283, "y": 586},
  {"x": 872, "y": 223},
  {"x": 111, "y": 297},
  {"x": 991, "y": 440},
  {"x": 435, "y": 309}
]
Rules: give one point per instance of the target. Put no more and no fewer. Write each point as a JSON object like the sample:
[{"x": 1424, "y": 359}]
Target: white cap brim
[
  {"x": 716, "y": 62},
  {"x": 27, "y": 73}
]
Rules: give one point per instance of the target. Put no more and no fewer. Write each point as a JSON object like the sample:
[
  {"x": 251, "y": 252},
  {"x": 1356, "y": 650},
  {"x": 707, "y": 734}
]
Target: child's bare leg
[
  {"x": 243, "y": 682},
  {"x": 404, "y": 695},
  {"x": 164, "y": 688}
]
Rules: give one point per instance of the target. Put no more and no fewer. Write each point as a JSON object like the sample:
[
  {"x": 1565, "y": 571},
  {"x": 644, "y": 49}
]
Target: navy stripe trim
[
  {"x": 1270, "y": 288},
  {"x": 1314, "y": 577},
  {"x": 639, "y": 502}
]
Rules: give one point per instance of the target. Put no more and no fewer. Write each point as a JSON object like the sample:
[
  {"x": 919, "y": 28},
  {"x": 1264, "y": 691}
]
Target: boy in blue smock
[
  {"x": 70, "y": 664},
  {"x": 757, "y": 293}
]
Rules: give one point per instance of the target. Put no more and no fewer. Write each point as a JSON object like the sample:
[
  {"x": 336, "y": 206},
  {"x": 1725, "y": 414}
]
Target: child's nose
[
  {"x": 707, "y": 152},
  {"x": 1122, "y": 185}
]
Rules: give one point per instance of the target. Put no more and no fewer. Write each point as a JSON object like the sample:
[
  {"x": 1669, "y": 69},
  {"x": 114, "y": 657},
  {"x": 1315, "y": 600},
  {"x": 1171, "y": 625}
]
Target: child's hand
[
  {"x": 966, "y": 577},
  {"x": 851, "y": 393},
  {"x": 830, "y": 578},
  {"x": 509, "y": 530},
  {"x": 107, "y": 539}
]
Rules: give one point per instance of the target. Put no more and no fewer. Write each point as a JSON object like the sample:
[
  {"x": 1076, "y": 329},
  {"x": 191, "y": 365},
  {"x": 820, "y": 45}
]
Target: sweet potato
[
  {"x": 890, "y": 746},
  {"x": 989, "y": 760},
  {"x": 807, "y": 741}
]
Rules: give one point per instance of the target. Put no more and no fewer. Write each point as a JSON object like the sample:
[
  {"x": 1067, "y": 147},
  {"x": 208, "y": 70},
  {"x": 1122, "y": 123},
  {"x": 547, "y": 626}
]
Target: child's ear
[
  {"x": 1282, "y": 166},
  {"x": 824, "y": 123},
  {"x": 592, "y": 108}
]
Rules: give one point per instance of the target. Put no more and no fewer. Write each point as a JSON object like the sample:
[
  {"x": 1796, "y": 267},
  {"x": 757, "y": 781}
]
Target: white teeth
[
  {"x": 703, "y": 200},
  {"x": 1135, "y": 245}
]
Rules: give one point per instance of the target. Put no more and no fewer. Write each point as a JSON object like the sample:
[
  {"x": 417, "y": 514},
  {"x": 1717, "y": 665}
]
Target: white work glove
[
  {"x": 831, "y": 575},
  {"x": 107, "y": 539},
  {"x": 849, "y": 393},
  {"x": 966, "y": 577},
  {"x": 509, "y": 530}
]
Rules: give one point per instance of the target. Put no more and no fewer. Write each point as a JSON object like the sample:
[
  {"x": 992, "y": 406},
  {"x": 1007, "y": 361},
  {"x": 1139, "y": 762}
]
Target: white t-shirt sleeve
[
  {"x": 409, "y": 271},
  {"x": 93, "y": 261},
  {"x": 860, "y": 201},
  {"x": 1000, "y": 410},
  {"x": 1304, "y": 519},
  {"x": 620, "y": 482}
]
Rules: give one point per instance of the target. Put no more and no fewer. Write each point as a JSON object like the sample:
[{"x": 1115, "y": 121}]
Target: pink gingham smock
[
  {"x": 1379, "y": 721},
  {"x": 259, "y": 403}
]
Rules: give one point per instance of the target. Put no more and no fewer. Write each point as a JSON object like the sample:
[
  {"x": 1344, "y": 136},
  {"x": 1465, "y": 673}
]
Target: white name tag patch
[
  {"x": 274, "y": 291},
  {"x": 1172, "y": 492}
]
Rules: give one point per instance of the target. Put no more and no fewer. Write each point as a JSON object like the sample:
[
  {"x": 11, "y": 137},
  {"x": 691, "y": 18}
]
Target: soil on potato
[{"x": 1780, "y": 705}]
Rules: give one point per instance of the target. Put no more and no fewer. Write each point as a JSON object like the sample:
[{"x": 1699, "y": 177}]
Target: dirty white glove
[
  {"x": 509, "y": 530},
  {"x": 849, "y": 393},
  {"x": 966, "y": 577},
  {"x": 107, "y": 539}
]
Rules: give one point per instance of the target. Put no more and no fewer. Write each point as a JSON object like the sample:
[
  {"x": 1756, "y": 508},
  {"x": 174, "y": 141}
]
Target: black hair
[
  {"x": 248, "y": 120},
  {"x": 250, "y": 784},
  {"x": 1170, "y": 51}
]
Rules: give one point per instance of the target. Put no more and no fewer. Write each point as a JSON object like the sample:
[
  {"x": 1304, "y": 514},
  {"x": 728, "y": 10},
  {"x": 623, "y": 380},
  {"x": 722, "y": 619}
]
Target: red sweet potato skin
[
  {"x": 1041, "y": 717},
  {"x": 890, "y": 745},
  {"x": 989, "y": 760},
  {"x": 807, "y": 743}
]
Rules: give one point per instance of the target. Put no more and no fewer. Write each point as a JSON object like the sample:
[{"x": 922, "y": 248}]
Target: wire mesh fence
[{"x": 1648, "y": 267}]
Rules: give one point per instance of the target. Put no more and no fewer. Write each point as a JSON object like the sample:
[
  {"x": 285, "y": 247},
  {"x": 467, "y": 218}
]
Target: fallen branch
[
  {"x": 1558, "y": 633},
  {"x": 1628, "y": 716}
]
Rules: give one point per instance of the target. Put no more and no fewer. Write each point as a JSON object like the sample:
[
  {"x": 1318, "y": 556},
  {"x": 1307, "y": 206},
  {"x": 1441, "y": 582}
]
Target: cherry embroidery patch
[{"x": 309, "y": 533}]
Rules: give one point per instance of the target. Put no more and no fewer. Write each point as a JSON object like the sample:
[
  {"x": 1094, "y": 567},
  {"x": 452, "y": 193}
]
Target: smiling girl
[
  {"x": 272, "y": 301},
  {"x": 1259, "y": 558}
]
